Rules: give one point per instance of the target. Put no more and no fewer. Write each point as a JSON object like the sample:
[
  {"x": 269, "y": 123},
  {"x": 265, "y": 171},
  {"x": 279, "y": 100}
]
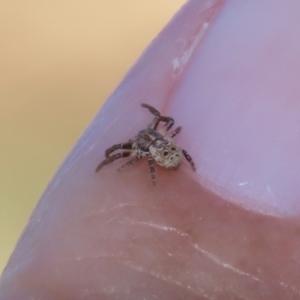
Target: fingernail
[{"x": 238, "y": 104}]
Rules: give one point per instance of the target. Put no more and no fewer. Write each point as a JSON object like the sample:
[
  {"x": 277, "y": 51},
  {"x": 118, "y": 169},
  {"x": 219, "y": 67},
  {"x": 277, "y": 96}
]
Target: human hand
[{"x": 226, "y": 73}]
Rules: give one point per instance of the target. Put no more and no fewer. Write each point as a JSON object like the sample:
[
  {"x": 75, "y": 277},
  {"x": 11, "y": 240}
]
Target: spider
[{"x": 153, "y": 144}]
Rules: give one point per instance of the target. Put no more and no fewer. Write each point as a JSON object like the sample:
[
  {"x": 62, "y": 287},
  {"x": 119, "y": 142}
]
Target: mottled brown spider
[{"x": 153, "y": 144}]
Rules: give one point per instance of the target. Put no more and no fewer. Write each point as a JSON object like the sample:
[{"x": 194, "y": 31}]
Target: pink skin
[{"x": 229, "y": 231}]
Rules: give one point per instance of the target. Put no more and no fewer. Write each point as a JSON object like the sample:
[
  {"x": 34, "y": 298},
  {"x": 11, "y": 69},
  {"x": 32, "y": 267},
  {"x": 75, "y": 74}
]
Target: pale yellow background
[{"x": 59, "y": 61}]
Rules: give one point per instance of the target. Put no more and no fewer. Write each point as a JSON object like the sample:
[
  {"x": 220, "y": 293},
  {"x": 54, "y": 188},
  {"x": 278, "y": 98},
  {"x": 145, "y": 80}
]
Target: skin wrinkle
[
  {"x": 192, "y": 291},
  {"x": 118, "y": 258},
  {"x": 216, "y": 260},
  {"x": 167, "y": 279},
  {"x": 207, "y": 254},
  {"x": 82, "y": 258},
  {"x": 225, "y": 265},
  {"x": 120, "y": 206},
  {"x": 291, "y": 288}
]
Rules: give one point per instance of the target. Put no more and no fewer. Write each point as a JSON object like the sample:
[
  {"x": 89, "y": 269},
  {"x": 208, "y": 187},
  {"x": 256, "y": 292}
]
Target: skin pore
[{"x": 225, "y": 71}]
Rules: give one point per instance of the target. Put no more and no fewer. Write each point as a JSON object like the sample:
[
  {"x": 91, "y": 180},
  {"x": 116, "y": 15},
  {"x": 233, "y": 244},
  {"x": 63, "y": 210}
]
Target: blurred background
[{"x": 59, "y": 61}]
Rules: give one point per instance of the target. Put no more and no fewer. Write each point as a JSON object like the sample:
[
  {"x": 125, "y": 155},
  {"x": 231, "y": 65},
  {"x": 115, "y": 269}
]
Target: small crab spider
[{"x": 150, "y": 143}]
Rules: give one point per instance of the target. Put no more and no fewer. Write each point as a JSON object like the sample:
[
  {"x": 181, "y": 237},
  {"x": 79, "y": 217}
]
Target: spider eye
[
  {"x": 173, "y": 148},
  {"x": 166, "y": 153}
]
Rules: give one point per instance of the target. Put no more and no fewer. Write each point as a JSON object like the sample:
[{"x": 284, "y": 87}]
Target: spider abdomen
[{"x": 166, "y": 154}]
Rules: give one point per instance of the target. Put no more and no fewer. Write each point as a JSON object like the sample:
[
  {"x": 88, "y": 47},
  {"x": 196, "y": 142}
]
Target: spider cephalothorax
[{"x": 153, "y": 144}]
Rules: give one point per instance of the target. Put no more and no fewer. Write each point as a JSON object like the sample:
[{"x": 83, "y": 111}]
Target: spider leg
[
  {"x": 154, "y": 123},
  {"x": 131, "y": 162},
  {"x": 158, "y": 118},
  {"x": 127, "y": 146},
  {"x": 112, "y": 158},
  {"x": 175, "y": 132},
  {"x": 156, "y": 113},
  {"x": 153, "y": 110},
  {"x": 168, "y": 120},
  {"x": 152, "y": 169},
  {"x": 189, "y": 159}
]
